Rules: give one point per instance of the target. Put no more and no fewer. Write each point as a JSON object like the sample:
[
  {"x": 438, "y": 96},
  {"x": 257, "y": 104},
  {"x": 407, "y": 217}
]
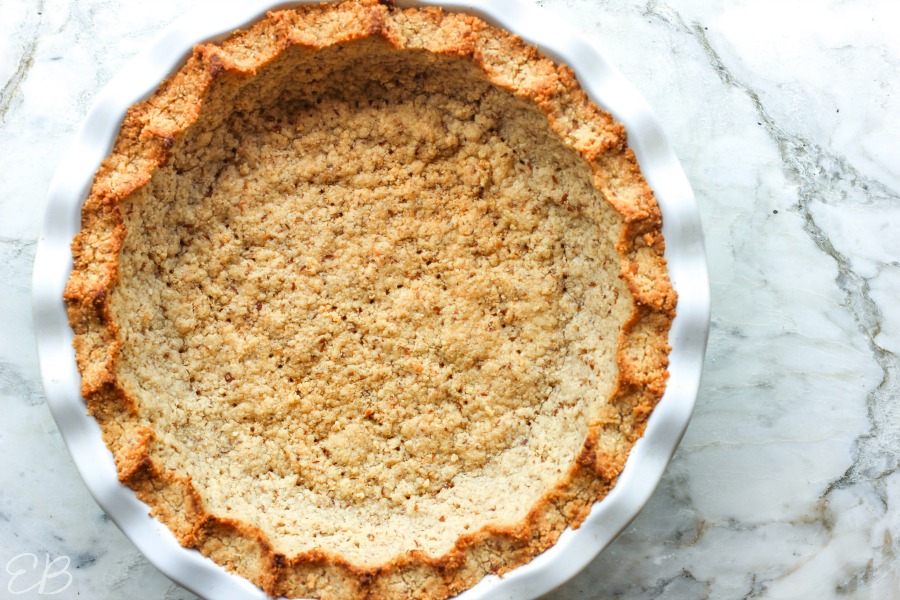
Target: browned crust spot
[{"x": 145, "y": 143}]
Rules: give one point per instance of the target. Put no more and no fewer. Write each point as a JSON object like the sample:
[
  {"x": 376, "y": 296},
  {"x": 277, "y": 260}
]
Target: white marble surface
[{"x": 786, "y": 118}]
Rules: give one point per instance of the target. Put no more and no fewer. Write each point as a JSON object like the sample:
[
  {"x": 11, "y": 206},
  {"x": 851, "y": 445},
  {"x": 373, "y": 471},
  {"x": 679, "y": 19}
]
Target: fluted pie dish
[{"x": 371, "y": 301}]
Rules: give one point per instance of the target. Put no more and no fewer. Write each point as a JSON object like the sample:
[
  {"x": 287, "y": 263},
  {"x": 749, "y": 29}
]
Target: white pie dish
[{"x": 684, "y": 253}]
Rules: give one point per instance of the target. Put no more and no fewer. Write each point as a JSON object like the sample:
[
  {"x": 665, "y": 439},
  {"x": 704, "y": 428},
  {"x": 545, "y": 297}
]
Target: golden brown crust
[{"x": 145, "y": 143}]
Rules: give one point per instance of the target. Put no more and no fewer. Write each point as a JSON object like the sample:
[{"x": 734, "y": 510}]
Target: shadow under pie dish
[{"x": 370, "y": 302}]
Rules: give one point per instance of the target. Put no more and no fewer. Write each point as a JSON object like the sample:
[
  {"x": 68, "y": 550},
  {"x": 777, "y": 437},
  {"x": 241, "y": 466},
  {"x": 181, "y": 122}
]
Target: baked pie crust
[{"x": 369, "y": 302}]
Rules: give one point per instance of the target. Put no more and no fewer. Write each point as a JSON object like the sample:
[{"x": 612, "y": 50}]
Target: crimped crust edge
[{"x": 144, "y": 143}]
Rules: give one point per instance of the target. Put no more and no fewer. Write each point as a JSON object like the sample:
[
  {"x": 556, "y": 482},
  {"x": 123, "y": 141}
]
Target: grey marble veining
[{"x": 785, "y": 117}]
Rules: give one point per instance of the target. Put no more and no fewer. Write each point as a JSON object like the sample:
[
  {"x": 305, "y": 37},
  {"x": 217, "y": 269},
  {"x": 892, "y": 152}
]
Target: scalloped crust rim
[{"x": 144, "y": 143}]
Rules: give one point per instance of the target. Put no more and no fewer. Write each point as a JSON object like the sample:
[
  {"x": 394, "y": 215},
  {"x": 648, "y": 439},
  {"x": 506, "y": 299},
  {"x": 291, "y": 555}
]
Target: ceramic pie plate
[{"x": 684, "y": 253}]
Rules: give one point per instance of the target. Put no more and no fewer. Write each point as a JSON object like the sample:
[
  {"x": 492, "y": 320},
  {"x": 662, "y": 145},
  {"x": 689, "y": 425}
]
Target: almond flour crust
[{"x": 181, "y": 121}]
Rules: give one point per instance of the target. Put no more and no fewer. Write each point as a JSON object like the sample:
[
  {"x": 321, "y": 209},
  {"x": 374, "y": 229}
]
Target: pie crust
[{"x": 369, "y": 302}]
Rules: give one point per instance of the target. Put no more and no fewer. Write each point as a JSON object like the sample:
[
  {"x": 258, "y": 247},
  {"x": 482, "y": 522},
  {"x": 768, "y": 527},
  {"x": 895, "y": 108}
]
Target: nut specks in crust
[{"x": 349, "y": 273}]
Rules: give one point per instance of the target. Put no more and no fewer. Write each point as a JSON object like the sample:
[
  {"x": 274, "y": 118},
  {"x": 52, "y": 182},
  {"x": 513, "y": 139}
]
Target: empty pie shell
[{"x": 370, "y": 302}]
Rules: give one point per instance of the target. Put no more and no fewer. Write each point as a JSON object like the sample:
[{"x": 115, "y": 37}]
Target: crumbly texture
[
  {"x": 370, "y": 302},
  {"x": 365, "y": 312}
]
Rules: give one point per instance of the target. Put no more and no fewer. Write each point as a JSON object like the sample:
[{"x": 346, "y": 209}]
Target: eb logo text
[{"x": 28, "y": 574}]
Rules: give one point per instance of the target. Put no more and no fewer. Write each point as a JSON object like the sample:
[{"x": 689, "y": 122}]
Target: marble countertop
[{"x": 786, "y": 118}]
